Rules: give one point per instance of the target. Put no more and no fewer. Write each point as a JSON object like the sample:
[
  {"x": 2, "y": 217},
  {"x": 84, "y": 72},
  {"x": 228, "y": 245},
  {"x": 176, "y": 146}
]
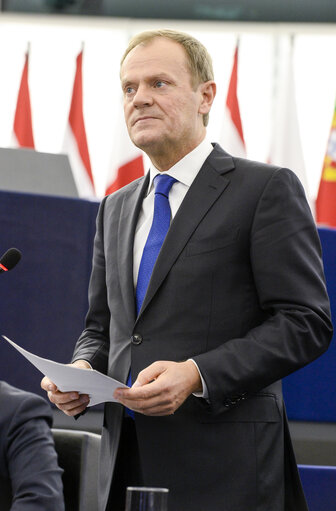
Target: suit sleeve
[
  {"x": 32, "y": 460},
  {"x": 93, "y": 344},
  {"x": 285, "y": 257}
]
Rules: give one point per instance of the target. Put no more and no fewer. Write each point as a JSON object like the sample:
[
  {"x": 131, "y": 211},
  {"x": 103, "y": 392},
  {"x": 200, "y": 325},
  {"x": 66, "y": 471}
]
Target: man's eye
[
  {"x": 159, "y": 84},
  {"x": 129, "y": 90}
]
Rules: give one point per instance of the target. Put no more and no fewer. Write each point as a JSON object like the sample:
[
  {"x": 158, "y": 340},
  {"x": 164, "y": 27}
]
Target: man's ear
[{"x": 208, "y": 92}]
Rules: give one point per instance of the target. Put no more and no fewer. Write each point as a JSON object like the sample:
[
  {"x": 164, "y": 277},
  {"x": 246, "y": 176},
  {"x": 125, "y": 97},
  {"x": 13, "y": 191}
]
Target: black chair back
[{"x": 78, "y": 456}]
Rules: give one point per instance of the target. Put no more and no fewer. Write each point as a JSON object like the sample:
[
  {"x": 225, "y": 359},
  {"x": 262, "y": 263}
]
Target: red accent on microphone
[{"x": 3, "y": 267}]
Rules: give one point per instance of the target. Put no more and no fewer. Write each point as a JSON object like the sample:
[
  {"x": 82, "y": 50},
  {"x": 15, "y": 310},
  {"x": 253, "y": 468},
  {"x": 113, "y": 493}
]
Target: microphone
[{"x": 9, "y": 259}]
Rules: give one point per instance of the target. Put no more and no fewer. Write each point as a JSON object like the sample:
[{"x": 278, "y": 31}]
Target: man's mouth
[{"x": 143, "y": 118}]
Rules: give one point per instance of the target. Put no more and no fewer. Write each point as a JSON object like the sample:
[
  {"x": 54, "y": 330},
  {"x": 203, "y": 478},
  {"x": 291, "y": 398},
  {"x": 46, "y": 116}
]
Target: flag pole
[{"x": 275, "y": 87}]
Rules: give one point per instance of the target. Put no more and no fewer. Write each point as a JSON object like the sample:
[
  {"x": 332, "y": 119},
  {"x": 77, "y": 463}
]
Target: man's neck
[{"x": 167, "y": 158}]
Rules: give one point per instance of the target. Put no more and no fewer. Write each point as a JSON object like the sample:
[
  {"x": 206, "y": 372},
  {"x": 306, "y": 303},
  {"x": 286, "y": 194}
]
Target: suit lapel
[
  {"x": 208, "y": 185},
  {"x": 129, "y": 213}
]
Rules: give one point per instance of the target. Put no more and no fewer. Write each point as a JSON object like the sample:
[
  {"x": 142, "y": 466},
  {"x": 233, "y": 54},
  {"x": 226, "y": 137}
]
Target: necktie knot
[{"x": 163, "y": 184}]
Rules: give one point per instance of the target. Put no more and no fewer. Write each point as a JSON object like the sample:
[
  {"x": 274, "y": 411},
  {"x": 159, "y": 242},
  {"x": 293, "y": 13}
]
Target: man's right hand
[{"x": 71, "y": 403}]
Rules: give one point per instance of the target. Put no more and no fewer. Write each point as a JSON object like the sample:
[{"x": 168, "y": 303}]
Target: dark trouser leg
[{"x": 127, "y": 469}]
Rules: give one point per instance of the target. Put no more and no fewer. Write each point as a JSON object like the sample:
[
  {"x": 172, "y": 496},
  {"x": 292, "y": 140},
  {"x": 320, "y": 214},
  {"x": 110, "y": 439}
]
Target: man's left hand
[{"x": 161, "y": 388}]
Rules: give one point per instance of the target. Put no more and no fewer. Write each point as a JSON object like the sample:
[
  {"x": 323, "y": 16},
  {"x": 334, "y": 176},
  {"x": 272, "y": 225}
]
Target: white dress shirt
[{"x": 185, "y": 172}]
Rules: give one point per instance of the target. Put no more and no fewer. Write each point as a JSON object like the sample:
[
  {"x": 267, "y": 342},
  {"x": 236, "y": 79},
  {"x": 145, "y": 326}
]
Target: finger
[
  {"x": 69, "y": 405},
  {"x": 154, "y": 407},
  {"x": 150, "y": 373},
  {"x": 60, "y": 398},
  {"x": 74, "y": 411},
  {"x": 47, "y": 384},
  {"x": 141, "y": 400},
  {"x": 134, "y": 394},
  {"x": 81, "y": 402}
]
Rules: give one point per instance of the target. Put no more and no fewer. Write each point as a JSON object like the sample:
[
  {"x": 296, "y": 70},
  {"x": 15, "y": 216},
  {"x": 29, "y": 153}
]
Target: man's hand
[
  {"x": 71, "y": 403},
  {"x": 161, "y": 388}
]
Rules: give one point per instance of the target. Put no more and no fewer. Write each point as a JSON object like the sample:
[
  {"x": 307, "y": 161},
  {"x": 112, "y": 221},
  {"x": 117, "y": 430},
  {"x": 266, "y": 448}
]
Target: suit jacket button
[{"x": 136, "y": 339}]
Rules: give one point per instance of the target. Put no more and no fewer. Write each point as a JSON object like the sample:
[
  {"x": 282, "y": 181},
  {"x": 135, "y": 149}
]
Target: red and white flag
[
  {"x": 22, "y": 135},
  {"x": 232, "y": 136},
  {"x": 127, "y": 161},
  {"x": 75, "y": 142},
  {"x": 286, "y": 148}
]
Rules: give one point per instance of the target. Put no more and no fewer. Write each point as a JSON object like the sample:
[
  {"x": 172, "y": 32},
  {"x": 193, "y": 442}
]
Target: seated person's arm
[{"x": 32, "y": 460}]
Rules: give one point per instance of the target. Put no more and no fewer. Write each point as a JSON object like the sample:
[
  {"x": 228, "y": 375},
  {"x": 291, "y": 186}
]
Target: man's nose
[{"x": 142, "y": 97}]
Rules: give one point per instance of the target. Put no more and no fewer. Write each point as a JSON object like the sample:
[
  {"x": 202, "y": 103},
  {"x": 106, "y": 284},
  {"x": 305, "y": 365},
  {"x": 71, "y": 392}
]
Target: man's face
[{"x": 163, "y": 111}]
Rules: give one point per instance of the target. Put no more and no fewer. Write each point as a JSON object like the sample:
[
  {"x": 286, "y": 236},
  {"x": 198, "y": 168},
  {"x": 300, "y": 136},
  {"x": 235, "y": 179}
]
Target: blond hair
[{"x": 198, "y": 58}]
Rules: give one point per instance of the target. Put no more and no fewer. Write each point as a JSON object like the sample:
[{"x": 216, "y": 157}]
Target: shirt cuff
[{"x": 204, "y": 394}]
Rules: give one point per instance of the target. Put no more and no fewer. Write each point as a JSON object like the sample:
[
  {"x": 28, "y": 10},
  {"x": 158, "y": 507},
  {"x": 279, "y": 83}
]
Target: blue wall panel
[
  {"x": 44, "y": 298},
  {"x": 310, "y": 393}
]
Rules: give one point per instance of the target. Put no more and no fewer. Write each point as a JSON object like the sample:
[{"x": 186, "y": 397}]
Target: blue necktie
[{"x": 156, "y": 236}]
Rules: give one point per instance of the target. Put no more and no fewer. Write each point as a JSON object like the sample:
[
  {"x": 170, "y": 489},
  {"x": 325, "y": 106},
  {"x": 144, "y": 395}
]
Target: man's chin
[{"x": 145, "y": 141}]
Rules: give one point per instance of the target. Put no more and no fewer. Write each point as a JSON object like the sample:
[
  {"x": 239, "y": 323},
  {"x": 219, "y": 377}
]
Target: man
[
  {"x": 30, "y": 478},
  {"x": 236, "y": 301}
]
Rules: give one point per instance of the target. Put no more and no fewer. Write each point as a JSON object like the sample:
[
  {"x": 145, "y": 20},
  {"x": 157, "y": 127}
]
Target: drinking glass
[{"x": 141, "y": 498}]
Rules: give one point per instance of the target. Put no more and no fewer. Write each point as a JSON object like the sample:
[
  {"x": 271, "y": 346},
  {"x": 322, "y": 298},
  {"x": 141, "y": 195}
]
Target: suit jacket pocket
[
  {"x": 259, "y": 408},
  {"x": 210, "y": 244}
]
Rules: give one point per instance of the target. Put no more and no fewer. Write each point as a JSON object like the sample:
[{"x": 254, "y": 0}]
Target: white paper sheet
[{"x": 68, "y": 378}]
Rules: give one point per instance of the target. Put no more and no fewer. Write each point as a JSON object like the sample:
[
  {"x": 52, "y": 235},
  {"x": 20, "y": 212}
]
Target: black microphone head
[{"x": 10, "y": 259}]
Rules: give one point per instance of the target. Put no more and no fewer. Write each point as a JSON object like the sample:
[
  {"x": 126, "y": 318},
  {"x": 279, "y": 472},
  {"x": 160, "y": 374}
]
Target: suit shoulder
[
  {"x": 256, "y": 178},
  {"x": 243, "y": 167},
  {"x": 114, "y": 200},
  {"x": 17, "y": 402},
  {"x": 256, "y": 167},
  {"x": 130, "y": 187},
  {"x": 266, "y": 172}
]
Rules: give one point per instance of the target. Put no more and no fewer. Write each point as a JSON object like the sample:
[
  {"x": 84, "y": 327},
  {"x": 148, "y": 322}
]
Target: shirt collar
[{"x": 186, "y": 169}]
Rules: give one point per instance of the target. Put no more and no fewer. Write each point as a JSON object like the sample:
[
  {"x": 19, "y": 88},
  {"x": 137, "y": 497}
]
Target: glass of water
[{"x": 141, "y": 498}]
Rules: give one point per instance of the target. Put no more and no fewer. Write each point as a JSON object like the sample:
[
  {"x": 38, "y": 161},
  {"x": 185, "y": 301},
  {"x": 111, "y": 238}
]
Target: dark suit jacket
[
  {"x": 30, "y": 479},
  {"x": 238, "y": 286}
]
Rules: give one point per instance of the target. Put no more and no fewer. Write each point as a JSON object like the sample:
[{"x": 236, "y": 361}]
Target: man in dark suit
[
  {"x": 30, "y": 478},
  {"x": 236, "y": 301}
]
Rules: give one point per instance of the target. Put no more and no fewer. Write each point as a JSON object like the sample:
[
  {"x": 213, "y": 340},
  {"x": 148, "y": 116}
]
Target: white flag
[{"x": 286, "y": 148}]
